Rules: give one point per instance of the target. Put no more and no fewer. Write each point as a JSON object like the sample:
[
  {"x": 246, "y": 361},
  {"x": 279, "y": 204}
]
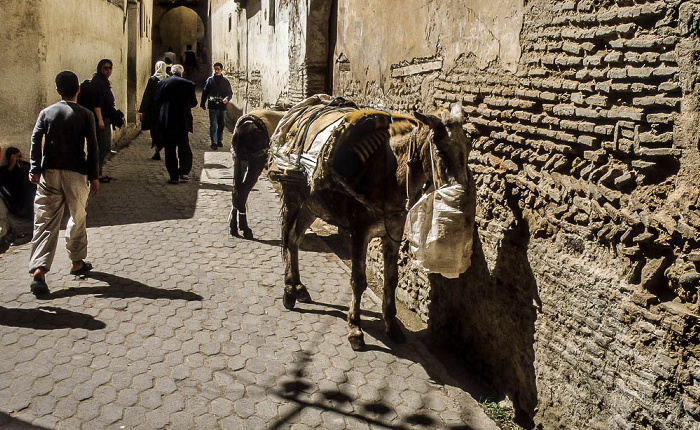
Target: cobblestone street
[{"x": 181, "y": 326}]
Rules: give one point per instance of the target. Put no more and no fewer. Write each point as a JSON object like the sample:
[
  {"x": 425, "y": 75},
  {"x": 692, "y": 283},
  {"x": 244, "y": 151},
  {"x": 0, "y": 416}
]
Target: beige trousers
[{"x": 58, "y": 189}]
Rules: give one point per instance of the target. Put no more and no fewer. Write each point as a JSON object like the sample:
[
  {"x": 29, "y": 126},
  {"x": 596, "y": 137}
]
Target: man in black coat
[{"x": 175, "y": 99}]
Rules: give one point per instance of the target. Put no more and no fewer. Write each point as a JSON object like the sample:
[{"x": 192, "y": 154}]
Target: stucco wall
[
  {"x": 255, "y": 53},
  {"x": 64, "y": 35},
  {"x": 22, "y": 72}
]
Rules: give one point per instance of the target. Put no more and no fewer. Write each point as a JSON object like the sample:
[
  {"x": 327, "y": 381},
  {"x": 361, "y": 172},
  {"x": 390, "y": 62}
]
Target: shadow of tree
[
  {"x": 377, "y": 413},
  {"x": 47, "y": 318},
  {"x": 120, "y": 287}
]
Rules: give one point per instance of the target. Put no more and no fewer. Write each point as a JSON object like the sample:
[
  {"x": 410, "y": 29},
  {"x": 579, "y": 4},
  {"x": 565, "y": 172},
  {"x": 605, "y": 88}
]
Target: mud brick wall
[{"x": 581, "y": 303}]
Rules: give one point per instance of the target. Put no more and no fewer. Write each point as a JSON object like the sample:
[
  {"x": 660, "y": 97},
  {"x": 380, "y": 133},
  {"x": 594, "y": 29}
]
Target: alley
[{"x": 181, "y": 326}]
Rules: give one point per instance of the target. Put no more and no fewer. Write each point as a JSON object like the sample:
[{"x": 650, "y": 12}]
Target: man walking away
[
  {"x": 175, "y": 99},
  {"x": 62, "y": 171},
  {"x": 170, "y": 55},
  {"x": 189, "y": 58},
  {"x": 217, "y": 91}
]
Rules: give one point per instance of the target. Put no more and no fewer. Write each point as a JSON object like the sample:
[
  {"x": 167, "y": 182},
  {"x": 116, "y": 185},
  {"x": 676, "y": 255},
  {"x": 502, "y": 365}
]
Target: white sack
[{"x": 438, "y": 231}]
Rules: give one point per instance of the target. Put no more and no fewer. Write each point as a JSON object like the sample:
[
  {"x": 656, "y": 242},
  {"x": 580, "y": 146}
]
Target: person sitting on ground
[
  {"x": 62, "y": 170},
  {"x": 15, "y": 188},
  {"x": 148, "y": 109}
]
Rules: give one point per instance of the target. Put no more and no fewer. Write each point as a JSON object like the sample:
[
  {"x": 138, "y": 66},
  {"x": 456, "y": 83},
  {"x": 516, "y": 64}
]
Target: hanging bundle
[{"x": 439, "y": 230}]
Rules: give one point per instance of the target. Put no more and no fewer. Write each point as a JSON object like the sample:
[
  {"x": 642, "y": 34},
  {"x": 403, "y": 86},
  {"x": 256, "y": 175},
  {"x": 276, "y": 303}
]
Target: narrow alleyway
[{"x": 181, "y": 326}]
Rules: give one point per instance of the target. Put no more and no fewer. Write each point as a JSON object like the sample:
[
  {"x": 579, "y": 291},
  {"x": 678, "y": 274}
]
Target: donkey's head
[{"x": 450, "y": 148}]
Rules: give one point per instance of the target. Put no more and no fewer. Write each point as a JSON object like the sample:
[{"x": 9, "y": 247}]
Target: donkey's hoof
[
  {"x": 395, "y": 334},
  {"x": 233, "y": 231},
  {"x": 289, "y": 299},
  {"x": 357, "y": 341},
  {"x": 303, "y": 294},
  {"x": 248, "y": 234}
]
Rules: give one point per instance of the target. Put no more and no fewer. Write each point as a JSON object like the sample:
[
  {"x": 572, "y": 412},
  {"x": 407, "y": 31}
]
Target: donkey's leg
[
  {"x": 391, "y": 278},
  {"x": 237, "y": 178},
  {"x": 253, "y": 170},
  {"x": 295, "y": 220},
  {"x": 359, "y": 285},
  {"x": 304, "y": 220}
]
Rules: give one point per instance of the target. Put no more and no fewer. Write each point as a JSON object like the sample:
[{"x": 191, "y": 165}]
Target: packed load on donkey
[{"x": 361, "y": 169}]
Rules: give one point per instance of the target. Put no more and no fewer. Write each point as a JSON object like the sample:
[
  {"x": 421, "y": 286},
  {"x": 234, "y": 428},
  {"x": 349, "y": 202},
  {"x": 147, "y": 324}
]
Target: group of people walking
[
  {"x": 166, "y": 112},
  {"x": 70, "y": 143}
]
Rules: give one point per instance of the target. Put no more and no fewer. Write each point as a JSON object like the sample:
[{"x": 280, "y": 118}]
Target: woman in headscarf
[
  {"x": 148, "y": 110},
  {"x": 103, "y": 102}
]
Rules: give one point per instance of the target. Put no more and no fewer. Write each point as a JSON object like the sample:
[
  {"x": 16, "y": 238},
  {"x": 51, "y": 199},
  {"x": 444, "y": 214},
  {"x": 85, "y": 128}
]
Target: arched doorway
[
  {"x": 320, "y": 46},
  {"x": 178, "y": 28}
]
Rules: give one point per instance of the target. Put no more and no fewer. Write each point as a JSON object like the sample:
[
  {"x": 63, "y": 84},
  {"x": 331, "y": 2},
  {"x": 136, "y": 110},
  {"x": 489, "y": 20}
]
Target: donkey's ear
[
  {"x": 434, "y": 123},
  {"x": 456, "y": 114}
]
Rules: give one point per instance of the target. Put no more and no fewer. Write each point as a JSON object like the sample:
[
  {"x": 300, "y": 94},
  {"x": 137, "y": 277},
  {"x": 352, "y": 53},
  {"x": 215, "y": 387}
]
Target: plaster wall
[
  {"x": 72, "y": 36},
  {"x": 376, "y": 35},
  {"x": 254, "y": 51},
  {"x": 22, "y": 71}
]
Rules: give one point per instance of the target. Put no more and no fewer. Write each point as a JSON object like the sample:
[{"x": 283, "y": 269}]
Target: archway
[
  {"x": 178, "y": 28},
  {"x": 320, "y": 46}
]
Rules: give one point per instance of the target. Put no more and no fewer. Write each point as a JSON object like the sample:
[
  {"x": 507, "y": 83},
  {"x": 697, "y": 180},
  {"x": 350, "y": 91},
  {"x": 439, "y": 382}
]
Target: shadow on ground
[
  {"x": 481, "y": 329},
  {"x": 377, "y": 413},
  {"x": 8, "y": 422},
  {"x": 47, "y": 318},
  {"x": 121, "y": 288}
]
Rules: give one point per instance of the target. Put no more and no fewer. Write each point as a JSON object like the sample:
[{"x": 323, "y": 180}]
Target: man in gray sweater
[{"x": 62, "y": 171}]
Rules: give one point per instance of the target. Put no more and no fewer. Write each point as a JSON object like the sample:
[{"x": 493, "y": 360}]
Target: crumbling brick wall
[{"x": 581, "y": 302}]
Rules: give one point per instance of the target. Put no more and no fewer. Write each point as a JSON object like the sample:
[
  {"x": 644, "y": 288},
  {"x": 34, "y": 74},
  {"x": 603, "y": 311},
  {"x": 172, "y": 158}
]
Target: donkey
[
  {"x": 394, "y": 176},
  {"x": 249, "y": 145}
]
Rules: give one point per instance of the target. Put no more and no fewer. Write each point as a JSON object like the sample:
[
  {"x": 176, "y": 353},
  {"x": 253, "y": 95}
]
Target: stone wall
[
  {"x": 271, "y": 51},
  {"x": 581, "y": 302},
  {"x": 44, "y": 37}
]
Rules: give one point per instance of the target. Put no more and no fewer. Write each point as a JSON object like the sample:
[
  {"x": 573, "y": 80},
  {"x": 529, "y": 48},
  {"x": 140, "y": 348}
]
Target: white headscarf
[{"x": 160, "y": 70}]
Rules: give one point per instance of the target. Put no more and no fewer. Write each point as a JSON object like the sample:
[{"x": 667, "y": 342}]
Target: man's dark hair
[
  {"x": 219, "y": 64},
  {"x": 189, "y": 47},
  {"x": 67, "y": 84},
  {"x": 170, "y": 48},
  {"x": 167, "y": 60}
]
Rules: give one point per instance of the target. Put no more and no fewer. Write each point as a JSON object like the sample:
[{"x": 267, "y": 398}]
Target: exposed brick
[
  {"x": 655, "y": 101},
  {"x": 665, "y": 71},
  {"x": 593, "y": 60},
  {"x": 617, "y": 73},
  {"x": 669, "y": 87},
  {"x": 643, "y": 72}
]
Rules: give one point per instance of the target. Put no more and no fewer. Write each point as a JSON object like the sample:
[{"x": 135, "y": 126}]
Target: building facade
[
  {"x": 581, "y": 303},
  {"x": 44, "y": 37}
]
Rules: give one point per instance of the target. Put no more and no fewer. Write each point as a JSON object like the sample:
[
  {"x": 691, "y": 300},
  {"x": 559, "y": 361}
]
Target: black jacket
[
  {"x": 148, "y": 105},
  {"x": 175, "y": 98},
  {"x": 219, "y": 87}
]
